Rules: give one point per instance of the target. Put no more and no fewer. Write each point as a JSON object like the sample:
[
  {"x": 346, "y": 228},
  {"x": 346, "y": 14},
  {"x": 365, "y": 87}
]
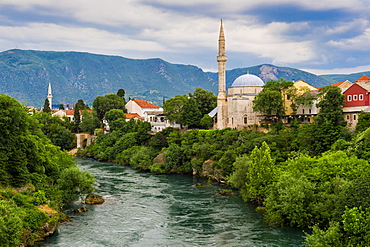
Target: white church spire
[{"x": 50, "y": 96}]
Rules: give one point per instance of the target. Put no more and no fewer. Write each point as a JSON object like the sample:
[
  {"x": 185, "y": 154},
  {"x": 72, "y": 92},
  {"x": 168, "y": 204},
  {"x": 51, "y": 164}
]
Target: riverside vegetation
[
  {"x": 302, "y": 175},
  {"x": 36, "y": 177}
]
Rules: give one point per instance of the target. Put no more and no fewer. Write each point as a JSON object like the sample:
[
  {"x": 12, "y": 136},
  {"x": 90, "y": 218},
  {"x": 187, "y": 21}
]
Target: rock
[
  {"x": 199, "y": 185},
  {"x": 94, "y": 199},
  {"x": 81, "y": 210},
  {"x": 226, "y": 193}
]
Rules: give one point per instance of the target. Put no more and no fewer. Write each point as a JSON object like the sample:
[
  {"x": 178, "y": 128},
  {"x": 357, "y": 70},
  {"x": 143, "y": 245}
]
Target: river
[{"x": 144, "y": 209}]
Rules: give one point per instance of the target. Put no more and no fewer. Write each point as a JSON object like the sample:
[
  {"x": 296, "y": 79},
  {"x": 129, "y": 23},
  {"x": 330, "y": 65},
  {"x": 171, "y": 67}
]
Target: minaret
[
  {"x": 221, "y": 98},
  {"x": 50, "y": 96}
]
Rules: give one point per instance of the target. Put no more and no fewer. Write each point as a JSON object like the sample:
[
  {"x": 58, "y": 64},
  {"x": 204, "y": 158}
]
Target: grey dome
[{"x": 248, "y": 80}]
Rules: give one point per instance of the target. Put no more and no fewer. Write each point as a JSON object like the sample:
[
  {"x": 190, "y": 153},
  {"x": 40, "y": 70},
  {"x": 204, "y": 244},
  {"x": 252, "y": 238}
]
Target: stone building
[{"x": 235, "y": 109}]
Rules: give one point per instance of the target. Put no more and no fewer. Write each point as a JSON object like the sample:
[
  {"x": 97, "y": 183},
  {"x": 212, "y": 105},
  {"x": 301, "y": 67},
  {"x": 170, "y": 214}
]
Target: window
[
  {"x": 361, "y": 97},
  {"x": 309, "y": 111},
  {"x": 347, "y": 117},
  {"x": 354, "y": 117},
  {"x": 349, "y": 98},
  {"x": 245, "y": 120},
  {"x": 354, "y": 97},
  {"x": 302, "y": 111}
]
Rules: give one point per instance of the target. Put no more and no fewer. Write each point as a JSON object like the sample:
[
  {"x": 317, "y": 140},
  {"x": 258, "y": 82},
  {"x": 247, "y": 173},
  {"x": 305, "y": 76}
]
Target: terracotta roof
[
  {"x": 145, "y": 104},
  {"x": 338, "y": 83},
  {"x": 72, "y": 112},
  {"x": 131, "y": 115},
  {"x": 363, "y": 78}
]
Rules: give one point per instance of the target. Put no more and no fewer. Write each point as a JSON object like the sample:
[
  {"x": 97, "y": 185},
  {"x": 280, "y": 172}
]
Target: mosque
[{"x": 235, "y": 109}]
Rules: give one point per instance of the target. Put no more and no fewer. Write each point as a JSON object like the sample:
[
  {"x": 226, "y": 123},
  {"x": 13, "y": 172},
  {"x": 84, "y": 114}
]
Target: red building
[{"x": 357, "y": 99}]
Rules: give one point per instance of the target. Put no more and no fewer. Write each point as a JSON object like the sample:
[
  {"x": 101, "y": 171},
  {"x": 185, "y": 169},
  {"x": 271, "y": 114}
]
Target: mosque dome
[{"x": 248, "y": 80}]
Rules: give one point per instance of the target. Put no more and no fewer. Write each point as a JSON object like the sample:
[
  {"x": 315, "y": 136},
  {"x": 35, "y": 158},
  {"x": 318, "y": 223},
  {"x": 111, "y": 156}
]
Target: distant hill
[
  {"x": 25, "y": 74},
  {"x": 269, "y": 72},
  {"x": 75, "y": 75},
  {"x": 342, "y": 77}
]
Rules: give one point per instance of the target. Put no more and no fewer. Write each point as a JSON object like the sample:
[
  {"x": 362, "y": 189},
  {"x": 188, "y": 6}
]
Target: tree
[
  {"x": 121, "y": 93},
  {"x": 329, "y": 121},
  {"x": 77, "y": 118},
  {"x": 206, "y": 101},
  {"x": 270, "y": 100},
  {"x": 46, "y": 106},
  {"x": 173, "y": 109},
  {"x": 206, "y": 121},
  {"x": 61, "y": 107},
  {"x": 81, "y": 105},
  {"x": 363, "y": 121},
  {"x": 102, "y": 104},
  {"x": 114, "y": 114},
  {"x": 73, "y": 182},
  {"x": 90, "y": 122}
]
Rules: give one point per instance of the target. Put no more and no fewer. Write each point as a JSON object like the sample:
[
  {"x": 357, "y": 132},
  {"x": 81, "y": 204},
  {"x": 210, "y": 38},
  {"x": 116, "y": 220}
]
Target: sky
[{"x": 319, "y": 36}]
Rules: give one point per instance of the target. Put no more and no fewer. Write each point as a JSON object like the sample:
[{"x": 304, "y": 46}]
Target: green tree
[
  {"x": 61, "y": 107},
  {"x": 206, "y": 101},
  {"x": 270, "y": 100},
  {"x": 81, "y": 105},
  {"x": 121, "y": 93},
  {"x": 75, "y": 182},
  {"x": 363, "y": 121},
  {"x": 114, "y": 114},
  {"x": 46, "y": 106},
  {"x": 206, "y": 121},
  {"x": 102, "y": 104},
  {"x": 77, "y": 118},
  {"x": 329, "y": 121},
  {"x": 90, "y": 122},
  {"x": 173, "y": 109}
]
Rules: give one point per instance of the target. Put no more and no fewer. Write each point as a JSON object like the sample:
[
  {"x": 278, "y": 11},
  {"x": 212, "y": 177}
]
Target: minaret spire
[
  {"x": 50, "y": 96},
  {"x": 221, "y": 98}
]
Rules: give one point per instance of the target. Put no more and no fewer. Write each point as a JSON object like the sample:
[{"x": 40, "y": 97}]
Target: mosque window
[
  {"x": 354, "y": 117},
  {"x": 302, "y": 111},
  {"x": 245, "y": 120}
]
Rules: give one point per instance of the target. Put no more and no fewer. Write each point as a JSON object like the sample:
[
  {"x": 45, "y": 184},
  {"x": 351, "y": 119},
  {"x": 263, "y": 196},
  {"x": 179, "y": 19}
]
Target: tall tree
[
  {"x": 329, "y": 120},
  {"x": 173, "y": 109},
  {"x": 46, "y": 106},
  {"x": 102, "y": 104},
  {"x": 206, "y": 101},
  {"x": 270, "y": 100},
  {"x": 121, "y": 93},
  {"x": 77, "y": 118}
]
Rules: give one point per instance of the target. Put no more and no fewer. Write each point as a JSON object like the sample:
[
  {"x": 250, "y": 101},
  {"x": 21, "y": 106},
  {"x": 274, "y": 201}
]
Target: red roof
[
  {"x": 363, "y": 78},
  {"x": 145, "y": 104},
  {"x": 131, "y": 115},
  {"x": 338, "y": 83},
  {"x": 72, "y": 112}
]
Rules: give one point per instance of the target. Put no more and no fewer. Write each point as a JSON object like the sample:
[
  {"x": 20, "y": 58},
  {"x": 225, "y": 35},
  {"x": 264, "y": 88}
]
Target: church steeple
[
  {"x": 221, "y": 98},
  {"x": 50, "y": 96}
]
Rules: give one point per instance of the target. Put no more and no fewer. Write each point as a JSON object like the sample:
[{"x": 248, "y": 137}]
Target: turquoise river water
[{"x": 143, "y": 209}]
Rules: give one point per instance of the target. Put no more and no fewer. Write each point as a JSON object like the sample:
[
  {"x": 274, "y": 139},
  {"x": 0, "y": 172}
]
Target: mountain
[
  {"x": 25, "y": 75},
  {"x": 342, "y": 77},
  {"x": 269, "y": 72}
]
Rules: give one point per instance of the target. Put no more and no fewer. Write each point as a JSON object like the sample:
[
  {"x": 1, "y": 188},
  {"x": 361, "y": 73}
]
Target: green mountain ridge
[{"x": 25, "y": 75}]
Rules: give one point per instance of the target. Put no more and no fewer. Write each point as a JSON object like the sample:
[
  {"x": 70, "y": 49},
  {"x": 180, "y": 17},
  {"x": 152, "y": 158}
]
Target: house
[
  {"x": 150, "y": 113},
  {"x": 304, "y": 113},
  {"x": 357, "y": 100}
]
